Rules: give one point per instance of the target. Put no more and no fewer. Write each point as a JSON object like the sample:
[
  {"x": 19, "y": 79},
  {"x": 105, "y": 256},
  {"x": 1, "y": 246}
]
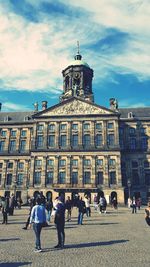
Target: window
[
  {"x": 23, "y": 133},
  {"x": 37, "y": 178},
  {"x": 50, "y": 162},
  {"x": 112, "y": 177},
  {"x": 111, "y": 139},
  {"x": 99, "y": 162},
  {"x": 147, "y": 178},
  {"x": 3, "y": 133},
  {"x": 10, "y": 165},
  {"x": 87, "y": 162},
  {"x": 110, "y": 125},
  {"x": 135, "y": 177},
  {"x": 86, "y": 140},
  {"x": 99, "y": 140},
  {"x": 121, "y": 143},
  {"x": 133, "y": 143},
  {"x": 51, "y": 140},
  {"x": 23, "y": 145},
  {"x": 74, "y": 162},
  {"x": 21, "y": 165},
  {"x": 75, "y": 140},
  {"x": 62, "y": 177},
  {"x": 132, "y": 131},
  {"x": 144, "y": 143},
  {"x": 63, "y": 140},
  {"x": 13, "y": 133},
  {"x": 112, "y": 162},
  {"x": 63, "y": 126},
  {"x": 40, "y": 127},
  {"x": 121, "y": 131},
  {"x": 146, "y": 164},
  {"x": 86, "y": 126},
  {"x": 74, "y": 126},
  {"x": 50, "y": 176},
  {"x": 98, "y": 126},
  {"x": 134, "y": 164},
  {"x": 2, "y": 145},
  {"x": 1, "y": 165},
  {"x": 39, "y": 140},
  {"x": 87, "y": 178},
  {"x": 20, "y": 179},
  {"x": 51, "y": 127},
  {"x": 100, "y": 178},
  {"x": 9, "y": 179},
  {"x": 38, "y": 162},
  {"x": 12, "y": 145},
  {"x": 143, "y": 131},
  {"x": 62, "y": 162},
  {"x": 74, "y": 177}
]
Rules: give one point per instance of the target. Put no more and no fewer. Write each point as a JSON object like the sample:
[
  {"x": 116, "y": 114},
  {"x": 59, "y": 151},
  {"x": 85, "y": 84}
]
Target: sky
[{"x": 38, "y": 39}]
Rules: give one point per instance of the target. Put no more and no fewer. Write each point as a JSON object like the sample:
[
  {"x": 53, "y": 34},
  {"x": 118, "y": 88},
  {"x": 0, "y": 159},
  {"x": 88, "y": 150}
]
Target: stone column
[
  {"x": 106, "y": 171},
  {"x": 45, "y": 135},
  {"x": 93, "y": 173},
  {"x": 118, "y": 172},
  {"x": 34, "y": 137},
  {"x": 43, "y": 173},
  {"x": 80, "y": 182},
  {"x": 105, "y": 133},
  {"x": 80, "y": 134},
  {"x": 31, "y": 181},
  {"x": 68, "y": 171},
  {"x": 7, "y": 140},
  {"x": 4, "y": 173},
  {"x": 26, "y": 174},
  {"x": 116, "y": 132},
  {"x": 69, "y": 134},
  {"x": 56, "y": 169},
  {"x": 92, "y": 133},
  {"x": 18, "y": 139},
  {"x": 57, "y": 135},
  {"x": 14, "y": 175}
]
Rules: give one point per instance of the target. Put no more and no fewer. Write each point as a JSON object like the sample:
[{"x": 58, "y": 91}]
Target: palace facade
[{"x": 76, "y": 146}]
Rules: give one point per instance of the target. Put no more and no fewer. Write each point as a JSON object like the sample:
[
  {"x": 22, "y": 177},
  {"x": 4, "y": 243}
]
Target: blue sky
[{"x": 38, "y": 40}]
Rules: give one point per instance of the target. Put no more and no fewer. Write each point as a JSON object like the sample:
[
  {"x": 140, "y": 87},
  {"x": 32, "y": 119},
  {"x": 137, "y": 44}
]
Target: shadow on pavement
[
  {"x": 9, "y": 239},
  {"x": 14, "y": 264}
]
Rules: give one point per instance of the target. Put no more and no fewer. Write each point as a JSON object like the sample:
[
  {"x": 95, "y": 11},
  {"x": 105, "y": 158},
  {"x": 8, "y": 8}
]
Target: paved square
[{"x": 117, "y": 238}]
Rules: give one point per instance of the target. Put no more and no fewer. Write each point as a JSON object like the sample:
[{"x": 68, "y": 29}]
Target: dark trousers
[
  {"x": 37, "y": 227},
  {"x": 133, "y": 208},
  {"x": 80, "y": 217},
  {"x": 61, "y": 233},
  {"x": 5, "y": 217}
]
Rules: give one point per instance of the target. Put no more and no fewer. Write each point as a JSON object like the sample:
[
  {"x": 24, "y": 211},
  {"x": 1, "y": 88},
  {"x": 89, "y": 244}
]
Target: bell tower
[{"x": 77, "y": 79}]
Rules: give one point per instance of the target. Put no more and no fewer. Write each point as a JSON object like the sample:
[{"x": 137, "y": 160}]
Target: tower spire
[
  {"x": 78, "y": 48},
  {"x": 78, "y": 56}
]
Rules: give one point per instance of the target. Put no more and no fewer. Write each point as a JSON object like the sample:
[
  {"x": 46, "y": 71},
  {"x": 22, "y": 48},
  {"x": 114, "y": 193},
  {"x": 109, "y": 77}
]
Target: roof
[
  {"x": 78, "y": 62},
  {"x": 138, "y": 113},
  {"x": 10, "y": 117}
]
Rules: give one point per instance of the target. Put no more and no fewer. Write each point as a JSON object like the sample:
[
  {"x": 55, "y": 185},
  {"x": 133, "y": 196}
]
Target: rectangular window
[
  {"x": 86, "y": 140},
  {"x": 146, "y": 164},
  {"x": 63, "y": 126},
  {"x": 75, "y": 140},
  {"x": 9, "y": 179},
  {"x": 10, "y": 165},
  {"x": 20, "y": 179},
  {"x": 51, "y": 140},
  {"x": 21, "y": 165},
  {"x": 40, "y": 127},
  {"x": 100, "y": 178},
  {"x": 3, "y": 133},
  {"x": 1, "y": 165},
  {"x": 2, "y": 145},
  {"x": 87, "y": 178},
  {"x": 112, "y": 162},
  {"x": 99, "y": 162},
  {"x": 111, "y": 139},
  {"x": 147, "y": 178},
  {"x": 51, "y": 127},
  {"x": 135, "y": 177},
  {"x": 144, "y": 143},
  {"x": 50, "y": 176},
  {"x": 23, "y": 133},
  {"x": 74, "y": 162},
  {"x": 62, "y": 177},
  {"x": 62, "y": 162},
  {"x": 143, "y": 131},
  {"x": 86, "y": 126},
  {"x": 112, "y": 177},
  {"x": 39, "y": 140},
  {"x": 132, "y": 143},
  {"x": 50, "y": 162},
  {"x": 134, "y": 164},
  {"x": 63, "y": 140},
  {"x": 12, "y": 145},
  {"x": 74, "y": 126},
  {"x": 87, "y": 162},
  {"x": 98, "y": 126},
  {"x": 13, "y": 133},
  {"x": 38, "y": 162},
  {"x": 99, "y": 140},
  {"x": 110, "y": 125},
  {"x": 37, "y": 178},
  {"x": 22, "y": 145},
  {"x": 74, "y": 177},
  {"x": 132, "y": 131}
]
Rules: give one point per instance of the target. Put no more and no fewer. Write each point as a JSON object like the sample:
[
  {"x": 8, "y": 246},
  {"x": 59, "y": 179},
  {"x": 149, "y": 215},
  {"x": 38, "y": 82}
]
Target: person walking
[
  {"x": 87, "y": 205},
  {"x": 133, "y": 205},
  {"x": 5, "y": 209},
  {"x": 68, "y": 207},
  {"x": 49, "y": 207},
  {"x": 38, "y": 217},
  {"x": 60, "y": 222},
  {"x": 81, "y": 210}
]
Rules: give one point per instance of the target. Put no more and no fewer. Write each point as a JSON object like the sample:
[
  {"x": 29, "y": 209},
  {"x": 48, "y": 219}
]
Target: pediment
[{"x": 75, "y": 107}]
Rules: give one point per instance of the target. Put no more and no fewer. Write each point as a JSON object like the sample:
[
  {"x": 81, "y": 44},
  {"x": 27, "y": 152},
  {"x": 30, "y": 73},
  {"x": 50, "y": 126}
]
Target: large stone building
[{"x": 76, "y": 146}]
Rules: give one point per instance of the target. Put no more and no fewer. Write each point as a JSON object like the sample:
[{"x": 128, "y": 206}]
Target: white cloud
[
  {"x": 9, "y": 106},
  {"x": 129, "y": 104}
]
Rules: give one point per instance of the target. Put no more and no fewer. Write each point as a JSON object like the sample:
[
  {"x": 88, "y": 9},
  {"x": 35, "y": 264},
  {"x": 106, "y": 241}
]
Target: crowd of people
[{"x": 41, "y": 210}]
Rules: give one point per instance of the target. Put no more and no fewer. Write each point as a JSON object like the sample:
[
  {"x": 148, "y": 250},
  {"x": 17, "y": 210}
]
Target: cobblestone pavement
[{"x": 117, "y": 238}]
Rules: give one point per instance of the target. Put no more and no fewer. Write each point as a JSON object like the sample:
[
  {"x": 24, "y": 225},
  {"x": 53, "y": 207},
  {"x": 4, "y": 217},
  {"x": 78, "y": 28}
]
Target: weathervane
[{"x": 78, "y": 48}]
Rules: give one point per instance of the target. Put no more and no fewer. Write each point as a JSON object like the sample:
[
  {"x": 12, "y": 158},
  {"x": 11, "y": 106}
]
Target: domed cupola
[{"x": 77, "y": 80}]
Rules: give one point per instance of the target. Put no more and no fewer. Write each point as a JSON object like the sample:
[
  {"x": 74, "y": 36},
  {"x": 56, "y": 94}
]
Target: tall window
[
  {"x": 86, "y": 126},
  {"x": 87, "y": 162},
  {"x": 100, "y": 178},
  {"x": 75, "y": 140},
  {"x": 1, "y": 165},
  {"x": 74, "y": 126},
  {"x": 9, "y": 179},
  {"x": 38, "y": 162},
  {"x": 51, "y": 127},
  {"x": 99, "y": 126},
  {"x": 86, "y": 140},
  {"x": 99, "y": 140},
  {"x": 51, "y": 140},
  {"x": 144, "y": 143},
  {"x": 99, "y": 162},
  {"x": 37, "y": 178},
  {"x": 23, "y": 133},
  {"x": 50, "y": 162},
  {"x": 62, "y": 177},
  {"x": 23, "y": 145},
  {"x": 110, "y": 125},
  {"x": 74, "y": 162},
  {"x": 112, "y": 177},
  {"x": 74, "y": 177},
  {"x": 12, "y": 145},
  {"x": 3, "y": 133},
  {"x": 40, "y": 127},
  {"x": 63, "y": 140},
  {"x": 132, "y": 131},
  {"x": 39, "y": 140},
  {"x": 20, "y": 179},
  {"x": 49, "y": 178},
  {"x": 147, "y": 178},
  {"x": 63, "y": 126},
  {"x": 111, "y": 139},
  {"x": 10, "y": 165},
  {"x": 62, "y": 162},
  {"x": 135, "y": 177},
  {"x": 2, "y": 145},
  {"x": 87, "y": 178},
  {"x": 133, "y": 143},
  {"x": 112, "y": 162},
  {"x": 13, "y": 133},
  {"x": 134, "y": 164},
  {"x": 21, "y": 165}
]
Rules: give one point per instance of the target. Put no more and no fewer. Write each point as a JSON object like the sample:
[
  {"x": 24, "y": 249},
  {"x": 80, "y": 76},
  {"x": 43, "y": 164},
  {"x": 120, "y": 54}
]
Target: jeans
[
  {"x": 88, "y": 211},
  {"x": 37, "y": 230},
  {"x": 61, "y": 233},
  {"x": 80, "y": 217},
  {"x": 133, "y": 208},
  {"x": 48, "y": 215}
]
